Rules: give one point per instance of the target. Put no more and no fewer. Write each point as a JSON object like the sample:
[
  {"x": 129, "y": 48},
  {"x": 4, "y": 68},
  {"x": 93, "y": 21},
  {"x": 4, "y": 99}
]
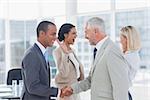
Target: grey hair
[{"x": 96, "y": 22}]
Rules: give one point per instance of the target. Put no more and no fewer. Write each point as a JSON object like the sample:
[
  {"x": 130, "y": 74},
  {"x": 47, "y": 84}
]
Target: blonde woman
[
  {"x": 70, "y": 70},
  {"x": 131, "y": 44}
]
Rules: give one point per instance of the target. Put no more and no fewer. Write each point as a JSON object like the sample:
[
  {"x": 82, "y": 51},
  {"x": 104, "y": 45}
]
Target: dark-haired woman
[{"x": 70, "y": 70}]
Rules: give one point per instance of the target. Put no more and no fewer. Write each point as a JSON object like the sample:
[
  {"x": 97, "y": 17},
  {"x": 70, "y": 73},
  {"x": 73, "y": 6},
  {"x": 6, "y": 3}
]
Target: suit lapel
[
  {"x": 99, "y": 55},
  {"x": 42, "y": 58},
  {"x": 40, "y": 54}
]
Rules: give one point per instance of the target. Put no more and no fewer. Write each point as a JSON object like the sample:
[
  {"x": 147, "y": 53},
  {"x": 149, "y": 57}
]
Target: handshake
[{"x": 66, "y": 91}]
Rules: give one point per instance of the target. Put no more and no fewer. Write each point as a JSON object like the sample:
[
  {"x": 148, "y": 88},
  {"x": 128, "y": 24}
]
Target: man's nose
[
  {"x": 86, "y": 36},
  {"x": 55, "y": 37},
  {"x": 75, "y": 35}
]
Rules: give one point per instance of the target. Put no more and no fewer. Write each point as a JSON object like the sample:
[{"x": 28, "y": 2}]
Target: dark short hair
[
  {"x": 43, "y": 26},
  {"x": 64, "y": 29}
]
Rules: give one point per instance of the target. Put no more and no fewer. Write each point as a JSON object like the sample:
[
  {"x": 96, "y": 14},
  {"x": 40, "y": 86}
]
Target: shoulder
[
  {"x": 114, "y": 50},
  {"x": 132, "y": 56},
  {"x": 30, "y": 53},
  {"x": 58, "y": 49},
  {"x": 132, "y": 53},
  {"x": 112, "y": 47}
]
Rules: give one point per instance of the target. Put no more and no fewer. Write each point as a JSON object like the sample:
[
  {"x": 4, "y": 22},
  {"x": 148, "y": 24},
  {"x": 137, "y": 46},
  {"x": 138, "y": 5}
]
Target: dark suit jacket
[{"x": 35, "y": 76}]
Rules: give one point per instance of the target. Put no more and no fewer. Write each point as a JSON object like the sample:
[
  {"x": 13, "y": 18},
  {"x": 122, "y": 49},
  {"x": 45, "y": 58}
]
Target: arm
[
  {"x": 83, "y": 85},
  {"x": 117, "y": 68},
  {"x": 81, "y": 69},
  {"x": 54, "y": 92},
  {"x": 81, "y": 73},
  {"x": 76, "y": 87}
]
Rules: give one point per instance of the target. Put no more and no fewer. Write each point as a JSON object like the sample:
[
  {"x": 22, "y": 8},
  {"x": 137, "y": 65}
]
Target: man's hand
[{"x": 66, "y": 91}]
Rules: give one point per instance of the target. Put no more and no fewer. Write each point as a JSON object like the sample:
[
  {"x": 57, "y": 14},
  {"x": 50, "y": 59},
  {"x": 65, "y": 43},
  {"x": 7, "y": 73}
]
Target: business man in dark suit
[{"x": 35, "y": 70}]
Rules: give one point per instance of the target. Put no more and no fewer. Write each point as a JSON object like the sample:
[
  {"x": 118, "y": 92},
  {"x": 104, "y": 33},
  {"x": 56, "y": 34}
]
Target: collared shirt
[
  {"x": 42, "y": 48},
  {"x": 98, "y": 47},
  {"x": 100, "y": 43}
]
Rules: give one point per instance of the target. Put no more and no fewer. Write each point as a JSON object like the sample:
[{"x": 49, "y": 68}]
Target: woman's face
[
  {"x": 71, "y": 36},
  {"x": 123, "y": 41}
]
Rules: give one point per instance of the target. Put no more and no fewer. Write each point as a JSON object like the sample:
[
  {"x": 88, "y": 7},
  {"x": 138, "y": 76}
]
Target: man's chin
[
  {"x": 91, "y": 43},
  {"x": 50, "y": 45},
  {"x": 72, "y": 43}
]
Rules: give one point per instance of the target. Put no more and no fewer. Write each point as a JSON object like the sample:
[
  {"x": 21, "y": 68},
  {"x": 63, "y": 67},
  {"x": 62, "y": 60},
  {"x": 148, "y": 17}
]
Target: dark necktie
[
  {"x": 47, "y": 66},
  {"x": 48, "y": 69},
  {"x": 95, "y": 50}
]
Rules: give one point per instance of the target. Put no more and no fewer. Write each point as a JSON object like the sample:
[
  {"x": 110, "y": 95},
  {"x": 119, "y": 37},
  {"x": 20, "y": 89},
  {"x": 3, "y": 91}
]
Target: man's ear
[
  {"x": 65, "y": 35},
  {"x": 96, "y": 31},
  {"x": 42, "y": 33}
]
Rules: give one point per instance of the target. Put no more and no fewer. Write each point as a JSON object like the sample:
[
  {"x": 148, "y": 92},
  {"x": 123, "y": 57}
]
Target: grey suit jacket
[
  {"x": 35, "y": 76},
  {"x": 108, "y": 79}
]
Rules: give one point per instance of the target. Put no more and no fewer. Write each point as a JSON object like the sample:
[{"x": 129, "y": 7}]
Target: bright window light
[
  {"x": 31, "y": 9},
  {"x": 125, "y": 4},
  {"x": 84, "y": 6}
]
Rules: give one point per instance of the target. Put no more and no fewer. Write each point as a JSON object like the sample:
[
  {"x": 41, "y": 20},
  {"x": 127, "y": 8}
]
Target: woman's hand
[
  {"x": 81, "y": 77},
  {"x": 63, "y": 46}
]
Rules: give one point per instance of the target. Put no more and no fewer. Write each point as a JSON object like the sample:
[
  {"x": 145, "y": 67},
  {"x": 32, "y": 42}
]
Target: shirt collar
[
  {"x": 42, "y": 48},
  {"x": 100, "y": 43}
]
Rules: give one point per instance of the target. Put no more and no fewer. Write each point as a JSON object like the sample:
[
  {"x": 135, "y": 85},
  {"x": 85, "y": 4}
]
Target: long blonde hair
[{"x": 133, "y": 38}]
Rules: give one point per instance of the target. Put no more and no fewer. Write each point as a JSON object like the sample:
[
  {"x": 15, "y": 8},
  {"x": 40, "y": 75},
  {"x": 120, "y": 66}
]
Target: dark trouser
[{"x": 130, "y": 97}]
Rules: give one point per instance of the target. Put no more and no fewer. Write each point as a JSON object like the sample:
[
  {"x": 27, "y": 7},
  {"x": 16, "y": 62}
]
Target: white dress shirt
[
  {"x": 100, "y": 43},
  {"x": 98, "y": 47},
  {"x": 42, "y": 48}
]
